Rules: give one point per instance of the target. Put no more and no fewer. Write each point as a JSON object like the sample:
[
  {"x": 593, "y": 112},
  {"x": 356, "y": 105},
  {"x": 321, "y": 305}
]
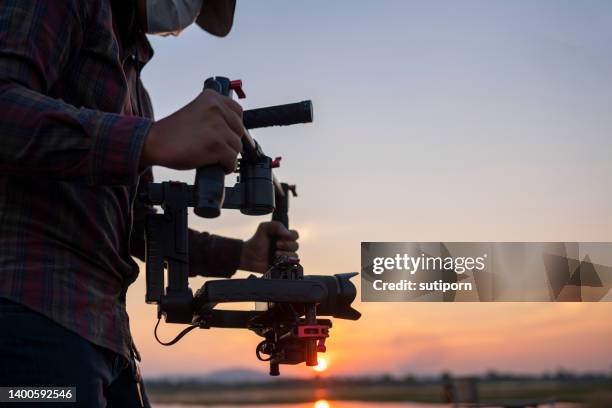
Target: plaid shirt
[{"x": 71, "y": 134}]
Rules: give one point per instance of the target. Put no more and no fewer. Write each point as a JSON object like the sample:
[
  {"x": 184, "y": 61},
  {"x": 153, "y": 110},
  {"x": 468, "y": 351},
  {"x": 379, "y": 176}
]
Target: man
[{"x": 76, "y": 137}]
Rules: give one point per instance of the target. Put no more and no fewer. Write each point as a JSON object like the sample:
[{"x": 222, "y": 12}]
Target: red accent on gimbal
[
  {"x": 236, "y": 86},
  {"x": 321, "y": 346},
  {"x": 314, "y": 332}
]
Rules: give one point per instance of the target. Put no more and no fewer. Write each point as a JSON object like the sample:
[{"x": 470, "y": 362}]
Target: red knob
[
  {"x": 236, "y": 86},
  {"x": 321, "y": 346}
]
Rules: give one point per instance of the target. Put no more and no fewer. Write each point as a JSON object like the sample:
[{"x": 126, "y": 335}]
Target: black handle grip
[
  {"x": 281, "y": 205},
  {"x": 280, "y": 115},
  {"x": 280, "y": 214},
  {"x": 210, "y": 191},
  {"x": 155, "y": 233},
  {"x": 210, "y": 180}
]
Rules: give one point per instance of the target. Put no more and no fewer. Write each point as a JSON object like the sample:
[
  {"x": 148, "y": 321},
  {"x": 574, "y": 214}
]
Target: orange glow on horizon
[{"x": 321, "y": 404}]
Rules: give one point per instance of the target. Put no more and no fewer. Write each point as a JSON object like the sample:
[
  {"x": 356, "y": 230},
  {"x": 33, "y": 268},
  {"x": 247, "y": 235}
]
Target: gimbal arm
[{"x": 255, "y": 194}]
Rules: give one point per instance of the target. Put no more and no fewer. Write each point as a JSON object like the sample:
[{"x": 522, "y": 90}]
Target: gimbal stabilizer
[{"x": 288, "y": 322}]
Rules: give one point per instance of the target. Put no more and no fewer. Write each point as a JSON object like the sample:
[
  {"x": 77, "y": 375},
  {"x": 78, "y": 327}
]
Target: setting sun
[
  {"x": 321, "y": 366},
  {"x": 321, "y": 404}
]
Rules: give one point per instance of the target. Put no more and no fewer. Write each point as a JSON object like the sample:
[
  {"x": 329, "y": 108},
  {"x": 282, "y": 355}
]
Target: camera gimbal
[{"x": 292, "y": 301}]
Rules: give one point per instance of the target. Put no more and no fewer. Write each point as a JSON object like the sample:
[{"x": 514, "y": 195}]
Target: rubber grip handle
[
  {"x": 210, "y": 180},
  {"x": 280, "y": 214},
  {"x": 280, "y": 115},
  {"x": 210, "y": 191}
]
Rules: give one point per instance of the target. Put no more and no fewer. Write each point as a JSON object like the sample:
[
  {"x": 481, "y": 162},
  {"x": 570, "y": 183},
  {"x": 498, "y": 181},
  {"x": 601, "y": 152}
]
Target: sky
[{"x": 434, "y": 121}]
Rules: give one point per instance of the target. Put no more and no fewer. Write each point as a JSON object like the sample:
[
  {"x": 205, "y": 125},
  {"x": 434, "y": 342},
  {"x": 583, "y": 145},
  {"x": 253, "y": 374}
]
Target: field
[{"x": 592, "y": 394}]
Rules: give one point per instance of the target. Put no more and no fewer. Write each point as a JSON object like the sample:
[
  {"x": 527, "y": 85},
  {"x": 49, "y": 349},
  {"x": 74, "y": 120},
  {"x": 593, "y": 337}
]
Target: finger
[
  {"x": 235, "y": 143},
  {"x": 294, "y": 234},
  {"x": 232, "y": 112},
  {"x": 278, "y": 230},
  {"x": 234, "y": 121},
  {"x": 287, "y": 245},
  {"x": 232, "y": 105},
  {"x": 228, "y": 161},
  {"x": 286, "y": 253}
]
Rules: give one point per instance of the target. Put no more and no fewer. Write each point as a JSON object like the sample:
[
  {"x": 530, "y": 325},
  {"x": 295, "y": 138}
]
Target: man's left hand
[{"x": 256, "y": 251}]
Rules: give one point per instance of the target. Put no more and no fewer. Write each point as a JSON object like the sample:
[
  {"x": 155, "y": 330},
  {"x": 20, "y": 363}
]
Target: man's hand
[
  {"x": 256, "y": 251},
  {"x": 206, "y": 131}
]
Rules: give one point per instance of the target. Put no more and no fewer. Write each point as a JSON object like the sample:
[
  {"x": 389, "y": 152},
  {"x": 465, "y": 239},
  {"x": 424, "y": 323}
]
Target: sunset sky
[{"x": 434, "y": 121}]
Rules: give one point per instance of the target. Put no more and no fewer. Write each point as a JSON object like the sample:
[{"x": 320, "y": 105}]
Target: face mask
[{"x": 171, "y": 16}]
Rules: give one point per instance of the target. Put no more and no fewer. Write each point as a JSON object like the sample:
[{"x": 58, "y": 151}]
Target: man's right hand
[{"x": 207, "y": 131}]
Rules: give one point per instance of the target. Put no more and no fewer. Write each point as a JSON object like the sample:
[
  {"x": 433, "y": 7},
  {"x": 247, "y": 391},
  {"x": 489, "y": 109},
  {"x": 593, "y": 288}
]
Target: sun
[
  {"x": 321, "y": 366},
  {"x": 321, "y": 404}
]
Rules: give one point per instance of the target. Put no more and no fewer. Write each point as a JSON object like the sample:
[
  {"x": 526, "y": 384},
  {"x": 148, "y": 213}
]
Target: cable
[
  {"x": 258, "y": 351},
  {"x": 177, "y": 338}
]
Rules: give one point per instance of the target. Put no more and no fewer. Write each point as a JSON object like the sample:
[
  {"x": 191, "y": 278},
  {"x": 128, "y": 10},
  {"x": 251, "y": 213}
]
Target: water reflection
[
  {"x": 334, "y": 404},
  {"x": 318, "y": 404},
  {"x": 355, "y": 404}
]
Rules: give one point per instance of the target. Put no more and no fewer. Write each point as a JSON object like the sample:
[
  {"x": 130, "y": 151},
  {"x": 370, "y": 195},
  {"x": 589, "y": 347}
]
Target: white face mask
[{"x": 171, "y": 16}]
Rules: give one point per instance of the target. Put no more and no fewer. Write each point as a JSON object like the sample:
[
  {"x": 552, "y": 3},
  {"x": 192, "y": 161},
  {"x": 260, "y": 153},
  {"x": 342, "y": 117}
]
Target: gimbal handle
[
  {"x": 210, "y": 180},
  {"x": 279, "y": 115},
  {"x": 281, "y": 213}
]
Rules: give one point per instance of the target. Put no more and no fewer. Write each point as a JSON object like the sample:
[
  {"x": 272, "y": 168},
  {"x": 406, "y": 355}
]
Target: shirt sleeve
[
  {"x": 213, "y": 255},
  {"x": 47, "y": 137}
]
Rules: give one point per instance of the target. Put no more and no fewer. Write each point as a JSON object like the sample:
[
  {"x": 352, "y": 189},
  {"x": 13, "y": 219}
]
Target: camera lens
[{"x": 341, "y": 294}]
